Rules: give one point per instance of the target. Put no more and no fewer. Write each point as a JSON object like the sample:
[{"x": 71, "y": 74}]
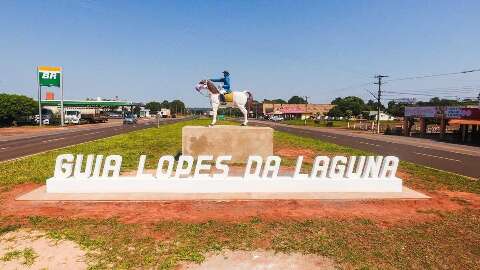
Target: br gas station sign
[{"x": 49, "y": 76}]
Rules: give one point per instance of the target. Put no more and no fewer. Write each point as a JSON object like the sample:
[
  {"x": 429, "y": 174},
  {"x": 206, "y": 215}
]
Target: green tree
[
  {"x": 279, "y": 101},
  {"x": 354, "y": 105},
  {"x": 396, "y": 109},
  {"x": 372, "y": 106},
  {"x": 297, "y": 100},
  {"x": 165, "y": 104},
  {"x": 336, "y": 112},
  {"x": 153, "y": 106},
  {"x": 275, "y": 101},
  {"x": 436, "y": 101},
  {"x": 15, "y": 107},
  {"x": 348, "y": 114},
  {"x": 177, "y": 106}
]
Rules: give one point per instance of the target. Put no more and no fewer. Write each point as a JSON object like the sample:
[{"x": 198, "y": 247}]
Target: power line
[
  {"x": 417, "y": 77},
  {"x": 435, "y": 75},
  {"x": 414, "y": 94},
  {"x": 444, "y": 89}
]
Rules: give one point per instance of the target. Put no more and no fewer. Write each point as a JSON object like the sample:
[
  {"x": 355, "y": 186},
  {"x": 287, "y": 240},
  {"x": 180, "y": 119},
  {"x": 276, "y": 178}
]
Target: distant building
[
  {"x": 292, "y": 111},
  {"x": 383, "y": 116},
  {"x": 52, "y": 107},
  {"x": 144, "y": 112}
]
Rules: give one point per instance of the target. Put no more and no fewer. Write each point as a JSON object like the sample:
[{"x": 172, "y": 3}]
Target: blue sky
[{"x": 142, "y": 50}]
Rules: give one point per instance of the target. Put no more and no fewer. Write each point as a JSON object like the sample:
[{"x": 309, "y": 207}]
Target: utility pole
[
  {"x": 306, "y": 107},
  {"x": 478, "y": 98},
  {"x": 379, "y": 96}
]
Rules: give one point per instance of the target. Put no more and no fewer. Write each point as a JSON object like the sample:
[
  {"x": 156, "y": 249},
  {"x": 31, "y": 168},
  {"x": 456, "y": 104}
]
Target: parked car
[
  {"x": 277, "y": 118},
  {"x": 46, "y": 119},
  {"x": 130, "y": 119}
]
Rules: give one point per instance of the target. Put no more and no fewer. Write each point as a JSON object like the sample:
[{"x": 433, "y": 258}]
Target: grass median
[{"x": 452, "y": 240}]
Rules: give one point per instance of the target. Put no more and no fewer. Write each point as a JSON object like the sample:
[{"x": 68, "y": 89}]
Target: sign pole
[
  {"x": 39, "y": 99},
  {"x": 62, "y": 113}
]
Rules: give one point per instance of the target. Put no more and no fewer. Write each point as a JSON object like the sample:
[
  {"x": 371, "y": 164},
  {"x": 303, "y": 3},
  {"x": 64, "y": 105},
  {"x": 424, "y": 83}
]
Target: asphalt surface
[
  {"x": 447, "y": 158},
  {"x": 16, "y": 148}
]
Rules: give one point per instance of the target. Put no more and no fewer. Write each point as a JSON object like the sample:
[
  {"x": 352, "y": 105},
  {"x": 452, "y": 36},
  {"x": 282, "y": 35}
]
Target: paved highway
[
  {"x": 19, "y": 147},
  {"x": 464, "y": 160}
]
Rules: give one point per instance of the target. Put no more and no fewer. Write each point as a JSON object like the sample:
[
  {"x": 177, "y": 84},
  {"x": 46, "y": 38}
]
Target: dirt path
[
  {"x": 246, "y": 260},
  {"x": 27, "y": 249}
]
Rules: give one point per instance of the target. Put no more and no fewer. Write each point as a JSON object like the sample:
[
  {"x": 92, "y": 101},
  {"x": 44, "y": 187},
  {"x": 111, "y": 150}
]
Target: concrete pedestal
[{"x": 237, "y": 141}]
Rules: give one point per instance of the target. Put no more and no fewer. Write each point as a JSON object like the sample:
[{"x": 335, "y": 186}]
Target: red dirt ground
[
  {"x": 295, "y": 152},
  {"x": 384, "y": 212}
]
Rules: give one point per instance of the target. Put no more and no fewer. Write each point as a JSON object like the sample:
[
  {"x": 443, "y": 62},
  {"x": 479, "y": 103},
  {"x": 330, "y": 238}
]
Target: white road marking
[
  {"x": 423, "y": 154},
  {"x": 52, "y": 140},
  {"x": 372, "y": 144},
  {"x": 449, "y": 150},
  {"x": 91, "y": 133},
  {"x": 3, "y": 148}
]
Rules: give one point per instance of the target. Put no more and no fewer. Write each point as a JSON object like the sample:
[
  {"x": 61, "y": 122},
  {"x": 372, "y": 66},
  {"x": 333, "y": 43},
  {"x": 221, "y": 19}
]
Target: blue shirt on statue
[{"x": 226, "y": 82}]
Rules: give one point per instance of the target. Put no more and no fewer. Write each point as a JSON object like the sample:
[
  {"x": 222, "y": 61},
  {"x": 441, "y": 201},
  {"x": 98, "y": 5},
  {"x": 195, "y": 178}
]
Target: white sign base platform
[
  {"x": 224, "y": 185},
  {"x": 40, "y": 195}
]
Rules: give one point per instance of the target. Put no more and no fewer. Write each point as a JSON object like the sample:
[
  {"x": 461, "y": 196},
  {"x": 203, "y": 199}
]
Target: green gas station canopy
[{"x": 86, "y": 103}]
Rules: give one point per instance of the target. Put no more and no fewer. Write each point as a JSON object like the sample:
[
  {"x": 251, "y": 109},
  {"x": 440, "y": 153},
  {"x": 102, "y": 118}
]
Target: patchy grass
[
  {"x": 312, "y": 123},
  {"x": 336, "y": 123},
  {"x": 451, "y": 240},
  {"x": 431, "y": 179},
  {"x": 284, "y": 139},
  {"x": 8, "y": 228},
  {"x": 28, "y": 256}
]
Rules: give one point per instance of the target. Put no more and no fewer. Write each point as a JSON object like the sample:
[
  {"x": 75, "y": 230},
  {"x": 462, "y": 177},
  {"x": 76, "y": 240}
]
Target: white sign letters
[{"x": 206, "y": 174}]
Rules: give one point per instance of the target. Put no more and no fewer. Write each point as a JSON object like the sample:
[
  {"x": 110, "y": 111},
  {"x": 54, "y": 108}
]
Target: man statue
[{"x": 226, "y": 86}]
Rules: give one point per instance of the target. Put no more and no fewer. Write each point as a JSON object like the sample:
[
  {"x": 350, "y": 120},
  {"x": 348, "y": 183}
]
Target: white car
[
  {"x": 277, "y": 118},
  {"x": 46, "y": 119}
]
